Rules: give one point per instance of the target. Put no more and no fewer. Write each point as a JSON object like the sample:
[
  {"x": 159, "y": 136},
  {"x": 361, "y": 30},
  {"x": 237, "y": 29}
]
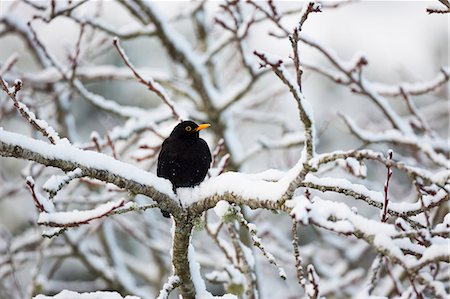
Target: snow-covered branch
[
  {"x": 92, "y": 164},
  {"x": 301, "y": 207}
]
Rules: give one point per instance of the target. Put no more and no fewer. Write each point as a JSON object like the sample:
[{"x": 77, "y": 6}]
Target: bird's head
[{"x": 188, "y": 129}]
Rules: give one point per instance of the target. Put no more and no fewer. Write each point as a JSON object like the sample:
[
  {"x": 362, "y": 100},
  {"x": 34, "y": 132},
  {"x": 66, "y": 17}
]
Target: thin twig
[
  {"x": 386, "y": 189},
  {"x": 150, "y": 83}
]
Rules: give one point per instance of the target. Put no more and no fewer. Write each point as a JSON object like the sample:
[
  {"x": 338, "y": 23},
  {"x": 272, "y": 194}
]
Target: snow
[
  {"x": 317, "y": 5},
  {"x": 215, "y": 171},
  {"x": 105, "y": 72},
  {"x": 282, "y": 273},
  {"x": 345, "y": 184},
  {"x": 221, "y": 208},
  {"x": 432, "y": 253},
  {"x": 445, "y": 225},
  {"x": 250, "y": 257},
  {"x": 199, "y": 283},
  {"x": 78, "y": 217},
  {"x": 88, "y": 159},
  {"x": 65, "y": 294},
  {"x": 28, "y": 239},
  {"x": 353, "y": 62},
  {"x": 355, "y": 167},
  {"x": 117, "y": 257},
  {"x": 150, "y": 83},
  {"x": 335, "y": 255},
  {"x": 375, "y": 196},
  {"x": 301, "y": 206},
  {"x": 312, "y": 277},
  {"x": 426, "y": 144},
  {"x": 415, "y": 88},
  {"x": 346, "y": 221},
  {"x": 430, "y": 198},
  {"x": 239, "y": 184},
  {"x": 384, "y": 242},
  {"x": 55, "y": 182},
  {"x": 43, "y": 201},
  {"x": 236, "y": 276},
  {"x": 441, "y": 177},
  {"x": 31, "y": 117},
  {"x": 170, "y": 282},
  {"x": 183, "y": 48}
]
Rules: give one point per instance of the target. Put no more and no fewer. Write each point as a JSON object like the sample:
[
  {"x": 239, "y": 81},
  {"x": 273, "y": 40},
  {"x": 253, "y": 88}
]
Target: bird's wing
[
  {"x": 161, "y": 158},
  {"x": 208, "y": 152}
]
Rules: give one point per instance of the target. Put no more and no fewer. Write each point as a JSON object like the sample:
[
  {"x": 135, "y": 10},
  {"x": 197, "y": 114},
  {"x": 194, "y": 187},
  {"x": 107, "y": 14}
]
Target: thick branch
[
  {"x": 92, "y": 164},
  {"x": 180, "y": 261}
]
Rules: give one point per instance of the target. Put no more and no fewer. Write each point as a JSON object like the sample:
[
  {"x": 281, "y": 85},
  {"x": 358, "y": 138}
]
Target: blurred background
[{"x": 401, "y": 42}]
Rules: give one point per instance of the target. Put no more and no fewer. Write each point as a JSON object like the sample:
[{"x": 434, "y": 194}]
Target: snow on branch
[
  {"x": 92, "y": 164},
  {"x": 55, "y": 183},
  {"x": 213, "y": 75},
  {"x": 39, "y": 124},
  {"x": 386, "y": 189},
  {"x": 440, "y": 10},
  {"x": 172, "y": 283},
  {"x": 428, "y": 177},
  {"x": 431, "y": 147},
  {"x": 414, "y": 89},
  {"x": 339, "y": 218},
  {"x": 257, "y": 242},
  {"x": 42, "y": 203},
  {"x": 304, "y": 107},
  {"x": 76, "y": 218},
  {"x": 313, "y": 6},
  {"x": 91, "y": 295},
  {"x": 373, "y": 198},
  {"x": 312, "y": 288},
  {"x": 179, "y": 49}
]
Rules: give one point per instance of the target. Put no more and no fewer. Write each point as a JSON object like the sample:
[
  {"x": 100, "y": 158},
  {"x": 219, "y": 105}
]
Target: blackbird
[{"x": 185, "y": 157}]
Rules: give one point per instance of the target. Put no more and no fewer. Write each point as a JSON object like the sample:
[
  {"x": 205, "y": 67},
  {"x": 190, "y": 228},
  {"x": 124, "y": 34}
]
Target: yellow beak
[{"x": 202, "y": 126}]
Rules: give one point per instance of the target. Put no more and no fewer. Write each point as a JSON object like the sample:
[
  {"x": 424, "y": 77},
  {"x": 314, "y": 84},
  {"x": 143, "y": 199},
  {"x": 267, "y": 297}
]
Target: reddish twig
[
  {"x": 313, "y": 279},
  {"x": 395, "y": 282},
  {"x": 418, "y": 294},
  {"x": 75, "y": 56},
  {"x": 52, "y": 8},
  {"x": 111, "y": 145},
  {"x": 311, "y": 7},
  {"x": 9, "y": 63},
  {"x": 37, "y": 203},
  {"x": 386, "y": 188},
  {"x": 296, "y": 59},
  {"x": 95, "y": 139},
  {"x": 240, "y": 31},
  {"x": 414, "y": 111},
  {"x": 425, "y": 212}
]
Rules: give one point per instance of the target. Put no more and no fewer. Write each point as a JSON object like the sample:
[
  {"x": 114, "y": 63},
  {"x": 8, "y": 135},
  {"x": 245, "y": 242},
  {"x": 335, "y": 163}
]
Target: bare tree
[{"x": 97, "y": 198}]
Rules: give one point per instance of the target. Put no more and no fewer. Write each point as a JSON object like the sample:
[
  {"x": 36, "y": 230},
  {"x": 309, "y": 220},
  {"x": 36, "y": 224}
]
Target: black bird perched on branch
[{"x": 185, "y": 157}]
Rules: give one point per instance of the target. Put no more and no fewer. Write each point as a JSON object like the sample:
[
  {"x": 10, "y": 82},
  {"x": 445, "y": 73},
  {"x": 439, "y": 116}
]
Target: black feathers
[{"x": 185, "y": 157}]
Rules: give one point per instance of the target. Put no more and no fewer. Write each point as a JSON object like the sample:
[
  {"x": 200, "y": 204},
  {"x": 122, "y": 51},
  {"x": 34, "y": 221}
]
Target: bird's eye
[{"x": 188, "y": 128}]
